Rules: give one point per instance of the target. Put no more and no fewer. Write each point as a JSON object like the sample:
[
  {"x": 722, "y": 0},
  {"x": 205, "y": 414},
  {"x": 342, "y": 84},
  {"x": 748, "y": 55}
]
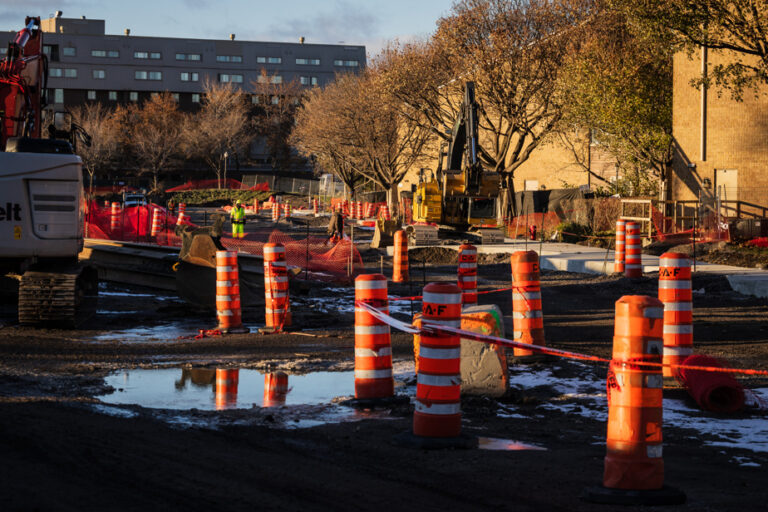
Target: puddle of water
[
  {"x": 207, "y": 389},
  {"x": 494, "y": 443},
  {"x": 172, "y": 332}
]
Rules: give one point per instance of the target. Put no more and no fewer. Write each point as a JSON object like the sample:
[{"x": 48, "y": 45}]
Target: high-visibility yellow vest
[{"x": 238, "y": 213}]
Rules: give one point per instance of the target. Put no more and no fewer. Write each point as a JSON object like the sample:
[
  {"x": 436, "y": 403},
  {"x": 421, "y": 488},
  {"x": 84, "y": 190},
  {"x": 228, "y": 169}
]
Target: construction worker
[{"x": 238, "y": 220}]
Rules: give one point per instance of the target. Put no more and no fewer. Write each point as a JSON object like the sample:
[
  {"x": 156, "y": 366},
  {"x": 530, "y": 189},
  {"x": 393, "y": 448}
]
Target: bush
[
  {"x": 573, "y": 232},
  {"x": 217, "y": 197}
]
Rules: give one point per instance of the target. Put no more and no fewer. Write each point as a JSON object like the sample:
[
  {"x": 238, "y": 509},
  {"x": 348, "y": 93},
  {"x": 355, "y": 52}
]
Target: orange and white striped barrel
[
  {"x": 369, "y": 210},
  {"x": 618, "y": 253},
  {"x": 633, "y": 445},
  {"x": 345, "y": 208},
  {"x": 182, "y": 218},
  {"x": 400, "y": 258},
  {"x": 228, "y": 291},
  {"x": 182, "y": 208},
  {"x": 315, "y": 207},
  {"x": 278, "y": 306},
  {"x": 359, "y": 209},
  {"x": 633, "y": 266},
  {"x": 676, "y": 294},
  {"x": 226, "y": 388},
  {"x": 438, "y": 383},
  {"x": 384, "y": 212},
  {"x": 287, "y": 210},
  {"x": 156, "y": 224},
  {"x": 114, "y": 220},
  {"x": 275, "y": 212},
  {"x": 275, "y": 388},
  {"x": 373, "y": 348},
  {"x": 527, "y": 316},
  {"x": 468, "y": 273}
]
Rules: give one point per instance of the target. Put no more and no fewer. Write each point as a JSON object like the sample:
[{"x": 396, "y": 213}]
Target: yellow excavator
[{"x": 463, "y": 195}]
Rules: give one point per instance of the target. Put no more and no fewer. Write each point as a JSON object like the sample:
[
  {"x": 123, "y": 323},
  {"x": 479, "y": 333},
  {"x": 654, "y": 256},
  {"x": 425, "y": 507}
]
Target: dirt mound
[{"x": 446, "y": 256}]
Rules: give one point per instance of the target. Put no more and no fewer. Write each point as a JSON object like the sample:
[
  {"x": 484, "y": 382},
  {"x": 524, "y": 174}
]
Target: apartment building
[{"x": 86, "y": 64}]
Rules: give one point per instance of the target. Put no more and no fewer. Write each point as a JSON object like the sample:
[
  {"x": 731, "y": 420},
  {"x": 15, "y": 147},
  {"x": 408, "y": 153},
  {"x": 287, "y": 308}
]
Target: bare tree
[
  {"x": 101, "y": 123},
  {"x": 219, "y": 128}
]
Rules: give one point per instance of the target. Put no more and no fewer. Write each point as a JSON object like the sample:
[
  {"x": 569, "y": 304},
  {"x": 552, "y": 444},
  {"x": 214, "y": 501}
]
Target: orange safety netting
[
  {"x": 316, "y": 256},
  {"x": 710, "y": 228},
  {"x": 520, "y": 226},
  {"x": 228, "y": 183},
  {"x": 337, "y": 202}
]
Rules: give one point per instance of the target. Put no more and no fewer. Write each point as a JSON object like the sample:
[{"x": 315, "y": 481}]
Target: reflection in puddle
[
  {"x": 174, "y": 331},
  {"x": 494, "y": 443},
  {"x": 208, "y": 389}
]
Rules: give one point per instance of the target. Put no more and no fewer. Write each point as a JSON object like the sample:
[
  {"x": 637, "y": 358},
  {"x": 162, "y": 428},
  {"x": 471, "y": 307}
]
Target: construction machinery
[
  {"x": 460, "y": 193},
  {"x": 41, "y": 194}
]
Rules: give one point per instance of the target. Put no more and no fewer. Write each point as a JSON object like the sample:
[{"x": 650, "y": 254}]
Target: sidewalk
[{"x": 593, "y": 260}]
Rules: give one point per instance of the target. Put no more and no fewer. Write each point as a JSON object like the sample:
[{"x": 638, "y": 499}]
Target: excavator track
[{"x": 65, "y": 298}]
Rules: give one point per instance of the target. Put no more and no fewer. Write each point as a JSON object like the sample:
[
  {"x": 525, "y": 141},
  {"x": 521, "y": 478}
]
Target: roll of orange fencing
[
  {"x": 633, "y": 445},
  {"x": 468, "y": 273},
  {"x": 527, "y": 316},
  {"x": 275, "y": 212},
  {"x": 438, "y": 384},
  {"x": 287, "y": 210},
  {"x": 228, "y": 292},
  {"x": 226, "y": 388},
  {"x": 278, "y": 306},
  {"x": 373, "y": 348},
  {"x": 676, "y": 294},
  {"x": 384, "y": 212},
  {"x": 400, "y": 260},
  {"x": 315, "y": 207},
  {"x": 275, "y": 388},
  {"x": 633, "y": 266},
  {"x": 181, "y": 219},
  {"x": 618, "y": 253},
  {"x": 114, "y": 221},
  {"x": 156, "y": 224}
]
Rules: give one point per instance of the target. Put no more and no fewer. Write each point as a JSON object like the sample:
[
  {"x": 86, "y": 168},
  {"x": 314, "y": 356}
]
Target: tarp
[{"x": 544, "y": 201}]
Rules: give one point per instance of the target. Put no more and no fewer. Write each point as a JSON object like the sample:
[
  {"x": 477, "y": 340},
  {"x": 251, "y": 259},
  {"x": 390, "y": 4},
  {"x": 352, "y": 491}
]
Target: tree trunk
[{"x": 507, "y": 196}]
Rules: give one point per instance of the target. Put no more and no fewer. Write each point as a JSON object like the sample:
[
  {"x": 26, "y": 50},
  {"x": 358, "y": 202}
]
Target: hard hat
[{"x": 237, "y": 202}]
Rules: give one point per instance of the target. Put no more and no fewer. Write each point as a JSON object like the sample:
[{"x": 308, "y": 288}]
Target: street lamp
[{"x": 226, "y": 155}]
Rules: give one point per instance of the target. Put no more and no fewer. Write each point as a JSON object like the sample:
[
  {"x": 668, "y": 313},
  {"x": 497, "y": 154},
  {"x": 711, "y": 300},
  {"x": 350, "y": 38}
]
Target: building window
[
  {"x": 189, "y": 56},
  {"x": 155, "y": 55},
  {"x": 69, "y": 51},
  {"x": 99, "y": 74},
  {"x": 308, "y": 80},
  {"x": 308, "y": 62},
  {"x": 269, "y": 60},
  {"x": 189, "y": 77},
  {"x": 133, "y": 96},
  {"x": 70, "y": 73},
  {"x": 347, "y": 63},
  {"x": 274, "y": 79},
  {"x": 113, "y": 54},
  {"x": 227, "y": 78},
  {"x": 154, "y": 95},
  {"x": 55, "y": 72},
  {"x": 256, "y": 99},
  {"x": 112, "y": 95},
  {"x": 155, "y": 75},
  {"x": 3, "y": 51},
  {"x": 140, "y": 55},
  {"x": 175, "y": 96},
  {"x": 98, "y": 53},
  {"x": 46, "y": 50},
  {"x": 140, "y": 75},
  {"x": 275, "y": 100},
  {"x": 229, "y": 58},
  {"x": 195, "y": 97},
  {"x": 91, "y": 95},
  {"x": 58, "y": 95}
]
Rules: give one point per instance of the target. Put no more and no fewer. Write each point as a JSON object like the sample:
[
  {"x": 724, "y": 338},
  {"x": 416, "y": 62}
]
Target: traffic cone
[
  {"x": 468, "y": 273},
  {"x": 400, "y": 258},
  {"x": 527, "y": 316}
]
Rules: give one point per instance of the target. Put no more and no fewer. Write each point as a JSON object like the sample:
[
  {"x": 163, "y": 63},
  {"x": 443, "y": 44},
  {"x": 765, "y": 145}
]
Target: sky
[{"x": 356, "y": 22}]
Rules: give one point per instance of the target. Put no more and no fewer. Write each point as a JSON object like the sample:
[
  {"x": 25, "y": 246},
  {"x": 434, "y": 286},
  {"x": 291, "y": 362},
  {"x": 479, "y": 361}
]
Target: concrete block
[{"x": 483, "y": 366}]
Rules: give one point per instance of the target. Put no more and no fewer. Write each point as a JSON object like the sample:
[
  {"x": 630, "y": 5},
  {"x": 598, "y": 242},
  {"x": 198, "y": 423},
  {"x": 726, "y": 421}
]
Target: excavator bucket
[{"x": 384, "y": 233}]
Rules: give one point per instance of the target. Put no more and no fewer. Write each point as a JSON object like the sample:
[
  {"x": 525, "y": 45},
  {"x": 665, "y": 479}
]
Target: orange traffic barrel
[
  {"x": 633, "y": 266},
  {"x": 182, "y": 208},
  {"x": 438, "y": 384},
  {"x": 373, "y": 348},
  {"x": 527, "y": 315},
  {"x": 634, "y": 459},
  {"x": 275, "y": 388},
  {"x": 114, "y": 217},
  {"x": 228, "y": 292},
  {"x": 468, "y": 273},
  {"x": 400, "y": 263},
  {"x": 278, "y": 306},
  {"x": 226, "y": 388},
  {"x": 384, "y": 212},
  {"x": 287, "y": 210},
  {"x": 275, "y": 212},
  {"x": 618, "y": 253},
  {"x": 676, "y": 294},
  {"x": 156, "y": 224},
  {"x": 315, "y": 206},
  {"x": 182, "y": 218}
]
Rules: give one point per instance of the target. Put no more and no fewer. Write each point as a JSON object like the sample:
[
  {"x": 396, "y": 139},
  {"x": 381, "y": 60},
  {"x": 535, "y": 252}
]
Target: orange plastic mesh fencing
[
  {"x": 545, "y": 222},
  {"x": 710, "y": 228},
  {"x": 316, "y": 256},
  {"x": 228, "y": 183}
]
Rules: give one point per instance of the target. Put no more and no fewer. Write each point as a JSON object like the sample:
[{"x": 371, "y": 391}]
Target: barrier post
[
  {"x": 633, "y": 267},
  {"x": 287, "y": 210},
  {"x": 385, "y": 212},
  {"x": 114, "y": 220},
  {"x": 618, "y": 253},
  {"x": 400, "y": 263},
  {"x": 373, "y": 348},
  {"x": 634, "y": 467},
  {"x": 676, "y": 294},
  {"x": 227, "y": 381},
  {"x": 275, "y": 212},
  {"x": 275, "y": 388},
  {"x": 527, "y": 315},
  {"x": 277, "y": 300},
  {"x": 228, "y": 293},
  {"x": 468, "y": 273},
  {"x": 181, "y": 218},
  {"x": 315, "y": 207},
  {"x": 155, "y": 223}
]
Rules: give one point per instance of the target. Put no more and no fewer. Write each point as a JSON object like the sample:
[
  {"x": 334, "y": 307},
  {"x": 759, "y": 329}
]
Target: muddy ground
[{"x": 61, "y": 451}]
